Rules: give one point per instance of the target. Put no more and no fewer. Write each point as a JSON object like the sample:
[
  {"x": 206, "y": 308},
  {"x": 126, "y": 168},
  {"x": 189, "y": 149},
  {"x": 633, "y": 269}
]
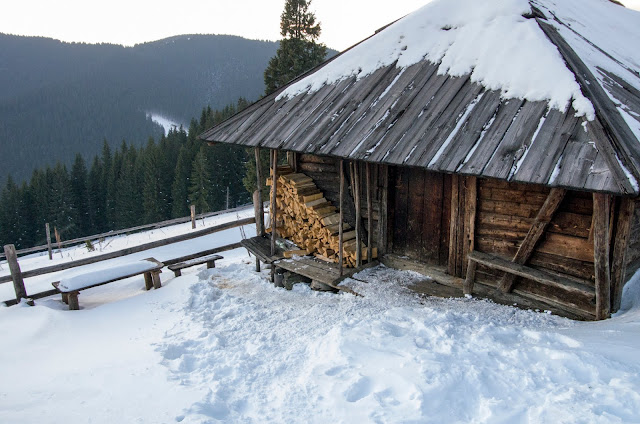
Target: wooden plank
[
  {"x": 432, "y": 212},
  {"x": 274, "y": 206},
  {"x": 260, "y": 183},
  {"x": 356, "y": 190},
  {"x": 415, "y": 213},
  {"x": 623, "y": 229},
  {"x": 516, "y": 140},
  {"x": 470, "y": 199},
  {"x": 341, "y": 222},
  {"x": 601, "y": 208},
  {"x": 541, "y": 277},
  {"x": 469, "y": 134},
  {"x": 571, "y": 247},
  {"x": 453, "y": 231},
  {"x": 383, "y": 226},
  {"x": 369, "y": 212},
  {"x": 130, "y": 250},
  {"x": 16, "y": 273},
  {"x": 494, "y": 133},
  {"x": 533, "y": 236}
]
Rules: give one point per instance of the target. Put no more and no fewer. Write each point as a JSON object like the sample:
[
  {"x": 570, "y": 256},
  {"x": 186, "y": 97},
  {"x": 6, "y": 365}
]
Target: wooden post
[
  {"x": 58, "y": 238},
  {"x": 619, "y": 258},
  {"x": 601, "y": 210},
  {"x": 340, "y": 224},
  {"x": 228, "y": 197},
  {"x": 155, "y": 278},
  {"x": 384, "y": 210},
  {"x": 193, "y": 216},
  {"x": 453, "y": 226},
  {"x": 467, "y": 286},
  {"x": 356, "y": 195},
  {"x": 471, "y": 198},
  {"x": 48, "y": 231},
  {"x": 370, "y": 213},
  {"x": 543, "y": 218},
  {"x": 274, "y": 206},
  {"x": 258, "y": 212},
  {"x": 16, "y": 274},
  {"x": 73, "y": 301},
  {"x": 260, "y": 221},
  {"x": 148, "y": 280}
]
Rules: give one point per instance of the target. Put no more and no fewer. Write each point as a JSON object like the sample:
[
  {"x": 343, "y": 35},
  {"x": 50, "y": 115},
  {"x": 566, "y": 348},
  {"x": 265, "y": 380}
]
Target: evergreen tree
[
  {"x": 152, "y": 189},
  {"x": 97, "y": 197},
  {"x": 200, "y": 188},
  {"x": 61, "y": 202},
  {"x": 80, "y": 197},
  {"x": 180, "y": 186},
  {"x": 299, "y": 50}
]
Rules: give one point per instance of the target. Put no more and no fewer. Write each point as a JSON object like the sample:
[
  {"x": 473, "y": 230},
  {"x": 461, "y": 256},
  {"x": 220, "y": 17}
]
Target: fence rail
[
  {"x": 130, "y": 250},
  {"x": 153, "y": 226}
]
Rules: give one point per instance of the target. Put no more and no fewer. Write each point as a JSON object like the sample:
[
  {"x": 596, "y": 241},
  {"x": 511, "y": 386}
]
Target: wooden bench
[
  {"x": 505, "y": 265},
  {"x": 210, "y": 260},
  {"x": 70, "y": 287}
]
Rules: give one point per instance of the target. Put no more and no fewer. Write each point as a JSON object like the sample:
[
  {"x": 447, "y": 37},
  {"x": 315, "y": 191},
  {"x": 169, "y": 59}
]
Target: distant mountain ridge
[{"x": 58, "y": 99}]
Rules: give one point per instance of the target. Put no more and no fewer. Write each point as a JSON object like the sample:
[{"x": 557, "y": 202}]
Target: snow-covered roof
[{"x": 540, "y": 91}]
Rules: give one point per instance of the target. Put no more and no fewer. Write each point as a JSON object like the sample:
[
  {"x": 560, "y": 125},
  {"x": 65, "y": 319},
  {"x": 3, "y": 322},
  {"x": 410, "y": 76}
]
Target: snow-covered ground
[{"x": 224, "y": 345}]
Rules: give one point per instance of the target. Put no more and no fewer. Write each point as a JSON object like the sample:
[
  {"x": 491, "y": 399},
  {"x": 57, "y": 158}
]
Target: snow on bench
[
  {"x": 210, "y": 260},
  {"x": 70, "y": 287}
]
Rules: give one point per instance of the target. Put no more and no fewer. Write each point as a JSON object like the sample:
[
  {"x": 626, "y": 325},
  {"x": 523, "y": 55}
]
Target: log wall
[{"x": 505, "y": 213}]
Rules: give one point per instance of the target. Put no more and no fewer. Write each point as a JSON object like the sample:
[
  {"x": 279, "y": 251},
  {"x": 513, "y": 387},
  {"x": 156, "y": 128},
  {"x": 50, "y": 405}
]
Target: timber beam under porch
[{"x": 439, "y": 283}]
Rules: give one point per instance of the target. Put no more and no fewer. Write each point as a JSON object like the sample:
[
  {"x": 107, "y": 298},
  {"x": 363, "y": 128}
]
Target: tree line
[{"x": 127, "y": 186}]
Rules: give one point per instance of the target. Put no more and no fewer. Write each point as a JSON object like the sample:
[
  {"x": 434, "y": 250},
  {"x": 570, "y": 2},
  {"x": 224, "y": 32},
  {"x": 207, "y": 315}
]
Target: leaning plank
[
  {"x": 543, "y": 219},
  {"x": 541, "y": 277}
]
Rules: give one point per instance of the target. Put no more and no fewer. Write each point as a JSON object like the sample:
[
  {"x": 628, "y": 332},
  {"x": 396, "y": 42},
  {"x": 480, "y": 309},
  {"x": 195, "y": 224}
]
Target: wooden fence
[
  {"x": 17, "y": 276},
  {"x": 153, "y": 226}
]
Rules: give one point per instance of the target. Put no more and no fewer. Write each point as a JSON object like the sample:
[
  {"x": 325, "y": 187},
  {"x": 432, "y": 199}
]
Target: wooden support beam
[
  {"x": 619, "y": 259},
  {"x": 260, "y": 203},
  {"x": 340, "y": 224},
  {"x": 16, "y": 273},
  {"x": 601, "y": 208},
  {"x": 383, "y": 173},
  {"x": 48, "y": 231},
  {"x": 453, "y": 225},
  {"x": 369, "y": 213},
  {"x": 356, "y": 195},
  {"x": 274, "y": 206},
  {"x": 467, "y": 286},
  {"x": 543, "y": 218},
  {"x": 193, "y": 216},
  {"x": 470, "y": 205}
]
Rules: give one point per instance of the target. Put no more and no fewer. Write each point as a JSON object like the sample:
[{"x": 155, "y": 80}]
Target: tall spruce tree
[
  {"x": 299, "y": 50},
  {"x": 200, "y": 189}
]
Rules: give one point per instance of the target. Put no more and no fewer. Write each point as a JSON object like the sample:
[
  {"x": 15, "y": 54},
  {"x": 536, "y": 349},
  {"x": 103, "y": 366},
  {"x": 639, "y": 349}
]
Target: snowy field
[{"x": 224, "y": 345}]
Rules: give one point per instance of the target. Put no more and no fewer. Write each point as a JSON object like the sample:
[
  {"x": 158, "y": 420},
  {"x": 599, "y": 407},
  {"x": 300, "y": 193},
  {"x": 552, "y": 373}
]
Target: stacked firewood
[{"x": 311, "y": 221}]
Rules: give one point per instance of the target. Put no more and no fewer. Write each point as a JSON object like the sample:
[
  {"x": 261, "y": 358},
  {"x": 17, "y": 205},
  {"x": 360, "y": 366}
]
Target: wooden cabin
[{"x": 503, "y": 197}]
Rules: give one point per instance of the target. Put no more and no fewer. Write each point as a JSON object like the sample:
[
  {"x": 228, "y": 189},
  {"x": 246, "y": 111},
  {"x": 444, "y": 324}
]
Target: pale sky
[{"x": 344, "y": 22}]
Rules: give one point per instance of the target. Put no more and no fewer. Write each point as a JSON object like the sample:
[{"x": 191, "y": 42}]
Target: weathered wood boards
[{"x": 536, "y": 231}]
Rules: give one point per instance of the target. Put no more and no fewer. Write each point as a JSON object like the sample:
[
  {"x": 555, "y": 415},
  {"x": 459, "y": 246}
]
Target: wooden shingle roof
[{"x": 416, "y": 116}]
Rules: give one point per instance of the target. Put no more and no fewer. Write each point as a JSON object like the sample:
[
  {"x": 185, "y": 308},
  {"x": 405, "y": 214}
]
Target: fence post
[
  {"x": 16, "y": 274},
  {"x": 193, "y": 217},
  {"x": 48, "y": 230}
]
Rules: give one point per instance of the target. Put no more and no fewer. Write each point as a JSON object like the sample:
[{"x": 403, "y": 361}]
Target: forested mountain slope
[{"x": 59, "y": 99}]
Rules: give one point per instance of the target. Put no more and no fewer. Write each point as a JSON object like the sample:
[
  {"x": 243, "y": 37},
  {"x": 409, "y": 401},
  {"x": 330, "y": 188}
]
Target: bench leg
[
  {"x": 65, "y": 298},
  {"x": 211, "y": 264},
  {"x": 467, "y": 286},
  {"x": 177, "y": 273},
  {"x": 257, "y": 265},
  {"x": 73, "y": 301},
  {"x": 155, "y": 276},
  {"x": 148, "y": 281}
]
